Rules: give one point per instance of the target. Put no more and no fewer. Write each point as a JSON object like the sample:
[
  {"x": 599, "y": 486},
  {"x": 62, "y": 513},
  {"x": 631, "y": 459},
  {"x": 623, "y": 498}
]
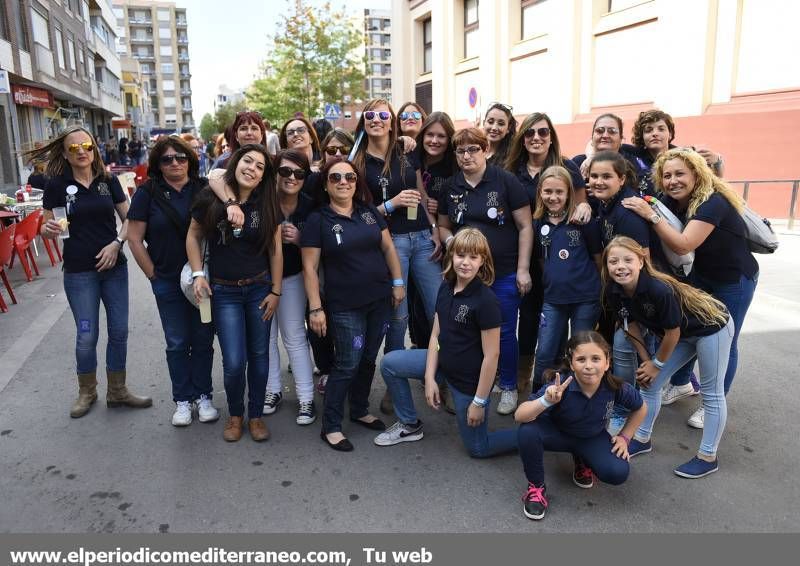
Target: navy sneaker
[
  {"x": 635, "y": 447},
  {"x": 696, "y": 468},
  {"x": 271, "y": 402}
]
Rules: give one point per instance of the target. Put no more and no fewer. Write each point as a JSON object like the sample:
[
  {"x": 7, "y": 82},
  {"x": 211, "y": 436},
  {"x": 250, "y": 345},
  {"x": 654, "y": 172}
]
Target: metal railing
[{"x": 792, "y": 201}]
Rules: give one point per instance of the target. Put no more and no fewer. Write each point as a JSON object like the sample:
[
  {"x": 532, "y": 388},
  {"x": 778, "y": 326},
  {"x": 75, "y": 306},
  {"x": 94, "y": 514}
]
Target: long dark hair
[
  {"x": 215, "y": 216},
  {"x": 362, "y": 195},
  {"x": 622, "y": 167},
  {"x": 578, "y": 339},
  {"x": 518, "y": 154},
  {"x": 442, "y": 118},
  {"x": 499, "y": 156}
]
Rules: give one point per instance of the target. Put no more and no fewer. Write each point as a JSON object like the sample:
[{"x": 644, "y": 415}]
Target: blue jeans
[
  {"x": 414, "y": 250},
  {"x": 506, "y": 290},
  {"x": 542, "y": 434},
  {"x": 397, "y": 368},
  {"x": 479, "y": 442},
  {"x": 553, "y": 326},
  {"x": 712, "y": 355},
  {"x": 244, "y": 341},
  {"x": 85, "y": 290},
  {"x": 357, "y": 336},
  {"x": 190, "y": 344},
  {"x": 737, "y": 297}
]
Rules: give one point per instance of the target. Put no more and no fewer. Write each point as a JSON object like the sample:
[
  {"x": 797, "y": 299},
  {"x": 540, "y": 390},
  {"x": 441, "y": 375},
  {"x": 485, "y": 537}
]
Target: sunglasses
[
  {"x": 287, "y": 172},
  {"x": 383, "y": 115},
  {"x": 76, "y": 147},
  {"x": 471, "y": 150},
  {"x": 296, "y": 131},
  {"x": 167, "y": 159},
  {"x": 507, "y": 107},
  {"x": 602, "y": 130},
  {"x": 407, "y": 115},
  {"x": 333, "y": 150},
  {"x": 337, "y": 177},
  {"x": 543, "y": 133}
]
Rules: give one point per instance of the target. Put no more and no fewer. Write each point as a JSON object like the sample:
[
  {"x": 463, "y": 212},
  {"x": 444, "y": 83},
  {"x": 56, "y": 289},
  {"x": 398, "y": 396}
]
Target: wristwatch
[
  {"x": 655, "y": 218},
  {"x": 120, "y": 241}
]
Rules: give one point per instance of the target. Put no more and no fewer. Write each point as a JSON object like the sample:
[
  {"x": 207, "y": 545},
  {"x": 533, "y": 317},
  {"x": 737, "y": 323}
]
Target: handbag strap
[{"x": 158, "y": 196}]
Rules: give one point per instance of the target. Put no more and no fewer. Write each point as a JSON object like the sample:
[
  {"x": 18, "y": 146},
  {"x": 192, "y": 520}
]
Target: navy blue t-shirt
[
  {"x": 167, "y": 248},
  {"x": 616, "y": 220},
  {"x": 356, "y": 273},
  {"x": 91, "y": 213},
  {"x": 313, "y": 186},
  {"x": 462, "y": 317},
  {"x": 436, "y": 176},
  {"x": 233, "y": 258},
  {"x": 584, "y": 417},
  {"x": 488, "y": 207},
  {"x": 292, "y": 260},
  {"x": 655, "y": 306},
  {"x": 531, "y": 184},
  {"x": 570, "y": 273},
  {"x": 402, "y": 175},
  {"x": 724, "y": 255}
]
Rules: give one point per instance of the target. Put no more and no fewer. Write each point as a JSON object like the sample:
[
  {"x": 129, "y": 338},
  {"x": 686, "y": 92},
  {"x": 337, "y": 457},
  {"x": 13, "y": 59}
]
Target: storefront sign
[
  {"x": 31, "y": 96},
  {"x": 120, "y": 123}
]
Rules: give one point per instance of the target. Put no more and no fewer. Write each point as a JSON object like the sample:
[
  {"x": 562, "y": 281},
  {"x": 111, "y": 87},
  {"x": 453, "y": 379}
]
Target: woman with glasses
[
  {"x": 492, "y": 200},
  {"x": 410, "y": 118},
  {"x": 248, "y": 128},
  {"x": 299, "y": 134},
  {"x": 94, "y": 269},
  {"x": 159, "y": 216},
  {"x": 499, "y": 125},
  {"x": 395, "y": 182},
  {"x": 245, "y": 265},
  {"x": 363, "y": 280}
]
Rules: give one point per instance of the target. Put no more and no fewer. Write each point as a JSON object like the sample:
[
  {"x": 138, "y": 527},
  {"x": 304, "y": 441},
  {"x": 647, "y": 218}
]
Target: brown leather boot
[
  {"x": 524, "y": 374},
  {"x": 258, "y": 430},
  {"x": 119, "y": 396},
  {"x": 233, "y": 429},
  {"x": 87, "y": 394}
]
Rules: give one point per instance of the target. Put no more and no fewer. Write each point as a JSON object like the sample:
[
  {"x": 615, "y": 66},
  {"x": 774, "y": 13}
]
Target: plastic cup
[
  {"x": 205, "y": 309},
  {"x": 60, "y": 216},
  {"x": 412, "y": 212}
]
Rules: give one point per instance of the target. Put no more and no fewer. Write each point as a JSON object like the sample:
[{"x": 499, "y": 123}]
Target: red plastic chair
[
  {"x": 6, "y": 250},
  {"x": 26, "y": 233},
  {"x": 49, "y": 245}
]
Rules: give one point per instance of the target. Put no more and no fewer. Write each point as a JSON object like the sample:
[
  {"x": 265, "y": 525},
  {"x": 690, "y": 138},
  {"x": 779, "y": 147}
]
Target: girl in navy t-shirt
[{"x": 571, "y": 416}]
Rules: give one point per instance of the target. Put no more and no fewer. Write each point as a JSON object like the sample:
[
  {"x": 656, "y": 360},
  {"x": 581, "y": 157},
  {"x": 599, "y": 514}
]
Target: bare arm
[
  {"x": 136, "y": 232},
  {"x": 431, "y": 365},
  {"x": 316, "y": 318}
]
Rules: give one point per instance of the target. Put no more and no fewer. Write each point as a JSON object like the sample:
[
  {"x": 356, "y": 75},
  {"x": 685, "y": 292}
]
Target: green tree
[
  {"x": 315, "y": 59},
  {"x": 226, "y": 114},
  {"x": 207, "y": 127}
]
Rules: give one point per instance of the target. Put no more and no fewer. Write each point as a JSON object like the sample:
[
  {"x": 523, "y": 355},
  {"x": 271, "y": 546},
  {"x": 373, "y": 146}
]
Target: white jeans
[{"x": 291, "y": 321}]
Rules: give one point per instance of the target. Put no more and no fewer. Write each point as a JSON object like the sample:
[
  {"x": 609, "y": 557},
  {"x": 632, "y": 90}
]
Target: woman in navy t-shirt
[{"x": 94, "y": 269}]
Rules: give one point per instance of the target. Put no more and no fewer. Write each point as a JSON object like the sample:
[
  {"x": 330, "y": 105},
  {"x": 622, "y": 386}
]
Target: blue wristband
[
  {"x": 545, "y": 403},
  {"x": 479, "y": 402},
  {"x": 398, "y": 283},
  {"x": 388, "y": 207},
  {"x": 656, "y": 362}
]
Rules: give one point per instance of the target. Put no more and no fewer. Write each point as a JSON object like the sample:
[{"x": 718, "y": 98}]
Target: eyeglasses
[
  {"x": 407, "y": 115},
  {"x": 337, "y": 177},
  {"x": 333, "y": 150},
  {"x": 296, "y": 131},
  {"x": 76, "y": 147},
  {"x": 287, "y": 172},
  {"x": 543, "y": 133},
  {"x": 602, "y": 130},
  {"x": 507, "y": 107},
  {"x": 383, "y": 115},
  {"x": 167, "y": 159},
  {"x": 471, "y": 150}
]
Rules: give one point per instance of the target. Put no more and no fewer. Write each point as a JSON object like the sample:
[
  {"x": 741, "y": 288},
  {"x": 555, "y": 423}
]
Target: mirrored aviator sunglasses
[
  {"x": 410, "y": 115},
  {"x": 76, "y": 147},
  {"x": 287, "y": 172},
  {"x": 383, "y": 115}
]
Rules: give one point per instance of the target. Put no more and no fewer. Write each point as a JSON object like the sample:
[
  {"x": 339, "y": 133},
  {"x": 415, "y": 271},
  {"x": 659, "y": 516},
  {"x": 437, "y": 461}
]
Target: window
[
  {"x": 535, "y": 17},
  {"x": 60, "y": 48},
  {"x": 166, "y": 68},
  {"x": 81, "y": 60},
  {"x": 163, "y": 15},
  {"x": 617, "y": 5},
  {"x": 40, "y": 31},
  {"x": 470, "y": 28},
  {"x": 427, "y": 47},
  {"x": 71, "y": 54},
  {"x": 165, "y": 50},
  {"x": 168, "y": 85},
  {"x": 168, "y": 101},
  {"x": 20, "y": 15},
  {"x": 164, "y": 33},
  {"x": 376, "y": 68},
  {"x": 3, "y": 24}
]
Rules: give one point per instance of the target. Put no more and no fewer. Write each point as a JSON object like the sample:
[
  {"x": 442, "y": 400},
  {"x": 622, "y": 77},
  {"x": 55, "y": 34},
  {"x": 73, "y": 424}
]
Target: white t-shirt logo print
[{"x": 463, "y": 312}]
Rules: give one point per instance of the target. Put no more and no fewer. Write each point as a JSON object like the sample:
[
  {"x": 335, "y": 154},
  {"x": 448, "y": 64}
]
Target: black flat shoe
[
  {"x": 343, "y": 445},
  {"x": 377, "y": 424}
]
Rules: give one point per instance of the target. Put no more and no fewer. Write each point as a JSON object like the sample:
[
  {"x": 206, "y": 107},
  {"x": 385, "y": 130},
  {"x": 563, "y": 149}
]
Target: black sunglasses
[
  {"x": 543, "y": 133},
  {"x": 167, "y": 159},
  {"x": 333, "y": 150},
  {"x": 287, "y": 172},
  {"x": 337, "y": 177}
]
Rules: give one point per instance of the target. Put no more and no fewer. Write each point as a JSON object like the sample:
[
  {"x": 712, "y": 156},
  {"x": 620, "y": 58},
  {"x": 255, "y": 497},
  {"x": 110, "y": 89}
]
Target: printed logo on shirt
[
  {"x": 609, "y": 410},
  {"x": 102, "y": 189},
  {"x": 608, "y": 231},
  {"x": 368, "y": 218},
  {"x": 649, "y": 310},
  {"x": 574, "y": 238},
  {"x": 463, "y": 313},
  {"x": 492, "y": 199},
  {"x": 254, "y": 219}
]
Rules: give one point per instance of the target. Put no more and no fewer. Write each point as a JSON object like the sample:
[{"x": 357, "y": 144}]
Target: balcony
[
  {"x": 140, "y": 57},
  {"x": 147, "y": 39},
  {"x": 180, "y": 22},
  {"x": 140, "y": 21},
  {"x": 183, "y": 41},
  {"x": 183, "y": 57},
  {"x": 185, "y": 74},
  {"x": 44, "y": 60},
  {"x": 186, "y": 91}
]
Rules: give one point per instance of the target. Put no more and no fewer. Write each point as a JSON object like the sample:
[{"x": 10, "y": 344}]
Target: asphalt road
[{"x": 131, "y": 471}]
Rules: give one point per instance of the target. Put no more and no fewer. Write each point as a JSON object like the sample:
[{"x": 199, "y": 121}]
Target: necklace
[{"x": 561, "y": 214}]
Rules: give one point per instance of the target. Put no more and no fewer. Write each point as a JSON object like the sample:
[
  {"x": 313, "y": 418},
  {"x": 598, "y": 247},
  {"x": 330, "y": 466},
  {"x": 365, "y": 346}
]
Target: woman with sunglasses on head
[
  {"x": 410, "y": 118},
  {"x": 246, "y": 266},
  {"x": 159, "y": 217},
  {"x": 248, "y": 128},
  {"x": 363, "y": 280},
  {"x": 299, "y": 134},
  {"x": 492, "y": 200},
  {"x": 94, "y": 269},
  {"x": 395, "y": 182},
  {"x": 499, "y": 125}
]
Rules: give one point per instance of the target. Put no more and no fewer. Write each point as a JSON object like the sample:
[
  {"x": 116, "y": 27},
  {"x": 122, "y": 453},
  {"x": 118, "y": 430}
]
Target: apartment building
[
  {"x": 378, "y": 53},
  {"x": 62, "y": 66},
  {"x": 156, "y": 35}
]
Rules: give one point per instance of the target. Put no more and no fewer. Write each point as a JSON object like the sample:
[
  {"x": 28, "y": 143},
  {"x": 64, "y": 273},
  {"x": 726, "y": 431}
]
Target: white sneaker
[
  {"x": 183, "y": 414},
  {"x": 697, "y": 420},
  {"x": 400, "y": 432},
  {"x": 508, "y": 402},
  {"x": 206, "y": 412},
  {"x": 674, "y": 393}
]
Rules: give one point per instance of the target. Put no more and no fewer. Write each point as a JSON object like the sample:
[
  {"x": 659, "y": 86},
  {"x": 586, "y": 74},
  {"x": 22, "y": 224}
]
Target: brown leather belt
[{"x": 260, "y": 278}]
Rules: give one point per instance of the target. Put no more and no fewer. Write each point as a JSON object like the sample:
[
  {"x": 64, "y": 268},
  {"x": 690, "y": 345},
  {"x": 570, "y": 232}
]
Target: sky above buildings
[{"x": 228, "y": 40}]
